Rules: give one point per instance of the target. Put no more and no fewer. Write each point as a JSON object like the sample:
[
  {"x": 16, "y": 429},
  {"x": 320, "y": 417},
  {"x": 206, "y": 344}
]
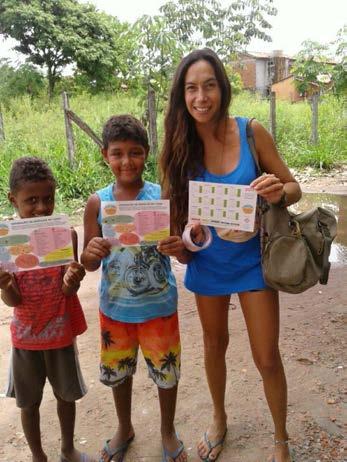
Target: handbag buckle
[{"x": 294, "y": 225}]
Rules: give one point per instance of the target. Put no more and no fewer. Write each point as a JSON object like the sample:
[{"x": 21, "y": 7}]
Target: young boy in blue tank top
[{"x": 138, "y": 294}]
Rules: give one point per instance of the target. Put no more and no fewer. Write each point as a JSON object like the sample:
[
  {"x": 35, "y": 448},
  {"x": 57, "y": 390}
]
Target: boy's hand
[
  {"x": 9, "y": 289},
  {"x": 97, "y": 249},
  {"x": 74, "y": 274},
  {"x": 172, "y": 246},
  {"x": 5, "y": 279}
]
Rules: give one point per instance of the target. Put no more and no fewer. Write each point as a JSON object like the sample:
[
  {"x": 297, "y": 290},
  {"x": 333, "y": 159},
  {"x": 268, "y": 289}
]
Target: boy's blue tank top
[
  {"x": 227, "y": 267},
  {"x": 137, "y": 283}
]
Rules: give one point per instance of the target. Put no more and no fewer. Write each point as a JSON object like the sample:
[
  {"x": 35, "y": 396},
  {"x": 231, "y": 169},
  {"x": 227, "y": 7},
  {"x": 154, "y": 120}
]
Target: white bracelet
[{"x": 190, "y": 245}]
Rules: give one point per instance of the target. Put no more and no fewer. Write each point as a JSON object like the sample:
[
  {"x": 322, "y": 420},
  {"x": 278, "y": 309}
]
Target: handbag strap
[
  {"x": 251, "y": 144},
  {"x": 263, "y": 205},
  {"x": 326, "y": 252}
]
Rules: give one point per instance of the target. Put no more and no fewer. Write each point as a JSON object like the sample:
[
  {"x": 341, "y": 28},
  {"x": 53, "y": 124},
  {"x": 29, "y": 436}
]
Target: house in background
[
  {"x": 285, "y": 89},
  {"x": 259, "y": 71}
]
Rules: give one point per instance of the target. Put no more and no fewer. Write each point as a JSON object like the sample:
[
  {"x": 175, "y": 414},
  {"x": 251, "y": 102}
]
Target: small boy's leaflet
[
  {"x": 34, "y": 243},
  {"x": 222, "y": 205},
  {"x": 135, "y": 223}
]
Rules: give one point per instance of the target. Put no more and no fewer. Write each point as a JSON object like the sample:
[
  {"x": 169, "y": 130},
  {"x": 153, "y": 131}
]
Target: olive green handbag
[{"x": 295, "y": 247}]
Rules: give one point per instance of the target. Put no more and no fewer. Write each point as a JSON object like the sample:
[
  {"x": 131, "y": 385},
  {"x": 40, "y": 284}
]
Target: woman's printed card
[
  {"x": 33, "y": 243},
  {"x": 129, "y": 223},
  {"x": 222, "y": 205}
]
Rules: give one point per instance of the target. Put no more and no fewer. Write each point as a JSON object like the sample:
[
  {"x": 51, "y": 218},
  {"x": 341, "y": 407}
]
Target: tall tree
[
  {"x": 227, "y": 29},
  {"x": 22, "y": 80},
  {"x": 340, "y": 70},
  {"x": 313, "y": 65},
  {"x": 158, "y": 51},
  {"x": 55, "y": 33}
]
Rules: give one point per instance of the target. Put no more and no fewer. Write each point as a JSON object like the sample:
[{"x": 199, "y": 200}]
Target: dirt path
[{"x": 313, "y": 348}]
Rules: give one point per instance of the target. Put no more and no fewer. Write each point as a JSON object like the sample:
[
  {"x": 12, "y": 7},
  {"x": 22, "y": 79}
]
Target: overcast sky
[{"x": 296, "y": 21}]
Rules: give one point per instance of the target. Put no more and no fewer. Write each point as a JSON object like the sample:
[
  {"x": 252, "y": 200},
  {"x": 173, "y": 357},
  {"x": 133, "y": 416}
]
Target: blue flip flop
[
  {"x": 173, "y": 455},
  {"x": 211, "y": 446},
  {"x": 120, "y": 450}
]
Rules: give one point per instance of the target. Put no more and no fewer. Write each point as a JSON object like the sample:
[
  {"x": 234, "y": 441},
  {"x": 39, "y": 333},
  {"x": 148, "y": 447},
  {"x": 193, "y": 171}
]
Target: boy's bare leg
[
  {"x": 67, "y": 414},
  {"x": 31, "y": 426},
  {"x": 167, "y": 400},
  {"x": 122, "y": 399}
]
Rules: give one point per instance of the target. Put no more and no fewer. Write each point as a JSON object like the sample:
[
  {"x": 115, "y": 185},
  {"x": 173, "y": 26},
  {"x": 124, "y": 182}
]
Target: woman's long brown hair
[{"x": 182, "y": 155}]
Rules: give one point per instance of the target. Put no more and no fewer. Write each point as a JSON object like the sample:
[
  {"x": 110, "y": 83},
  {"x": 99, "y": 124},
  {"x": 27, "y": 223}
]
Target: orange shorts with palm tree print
[{"x": 159, "y": 340}]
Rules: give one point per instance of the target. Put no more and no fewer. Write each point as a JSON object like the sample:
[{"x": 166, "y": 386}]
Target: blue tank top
[
  {"x": 137, "y": 283},
  {"x": 227, "y": 267}
]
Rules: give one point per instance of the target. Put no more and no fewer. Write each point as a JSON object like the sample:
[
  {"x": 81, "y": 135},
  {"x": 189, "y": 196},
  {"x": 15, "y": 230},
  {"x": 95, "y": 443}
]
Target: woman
[{"x": 202, "y": 142}]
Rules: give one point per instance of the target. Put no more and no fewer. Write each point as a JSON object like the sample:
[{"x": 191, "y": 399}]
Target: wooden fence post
[
  {"x": 2, "y": 130},
  {"x": 68, "y": 130},
  {"x": 83, "y": 126},
  {"x": 314, "y": 124},
  {"x": 152, "y": 116},
  {"x": 273, "y": 115}
]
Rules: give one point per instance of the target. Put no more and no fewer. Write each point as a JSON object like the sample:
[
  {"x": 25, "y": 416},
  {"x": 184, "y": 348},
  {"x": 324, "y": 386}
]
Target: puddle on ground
[{"x": 338, "y": 205}]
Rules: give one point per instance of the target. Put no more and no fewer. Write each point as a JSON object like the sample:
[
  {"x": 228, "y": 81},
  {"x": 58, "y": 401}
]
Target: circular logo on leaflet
[
  {"x": 110, "y": 209},
  {"x": 129, "y": 238},
  {"x": 247, "y": 209},
  {"x": 26, "y": 261}
]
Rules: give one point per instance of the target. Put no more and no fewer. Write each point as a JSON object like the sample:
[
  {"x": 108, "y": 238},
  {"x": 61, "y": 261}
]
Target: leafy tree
[
  {"x": 312, "y": 65},
  {"x": 22, "y": 80},
  {"x": 235, "y": 79},
  {"x": 103, "y": 64},
  {"x": 158, "y": 51},
  {"x": 55, "y": 33},
  {"x": 340, "y": 69},
  {"x": 198, "y": 23}
]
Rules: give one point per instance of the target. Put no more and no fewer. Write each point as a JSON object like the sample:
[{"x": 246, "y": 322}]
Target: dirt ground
[{"x": 313, "y": 347}]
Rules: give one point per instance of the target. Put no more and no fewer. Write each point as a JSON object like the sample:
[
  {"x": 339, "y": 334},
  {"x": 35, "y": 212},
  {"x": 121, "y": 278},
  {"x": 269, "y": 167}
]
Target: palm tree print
[
  {"x": 127, "y": 363},
  {"x": 169, "y": 362},
  {"x": 106, "y": 338},
  {"x": 154, "y": 371},
  {"x": 108, "y": 372}
]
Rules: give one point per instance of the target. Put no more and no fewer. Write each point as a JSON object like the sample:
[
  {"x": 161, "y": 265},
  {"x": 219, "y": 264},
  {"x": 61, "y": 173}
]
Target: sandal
[
  {"x": 121, "y": 450},
  {"x": 211, "y": 446},
  {"x": 173, "y": 455}
]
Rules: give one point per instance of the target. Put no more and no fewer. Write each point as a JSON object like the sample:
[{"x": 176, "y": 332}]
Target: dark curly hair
[
  {"x": 31, "y": 169},
  {"x": 182, "y": 155},
  {"x": 124, "y": 127}
]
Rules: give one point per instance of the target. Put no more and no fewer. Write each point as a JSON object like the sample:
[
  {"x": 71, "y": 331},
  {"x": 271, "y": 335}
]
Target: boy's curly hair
[
  {"x": 27, "y": 169},
  {"x": 124, "y": 127}
]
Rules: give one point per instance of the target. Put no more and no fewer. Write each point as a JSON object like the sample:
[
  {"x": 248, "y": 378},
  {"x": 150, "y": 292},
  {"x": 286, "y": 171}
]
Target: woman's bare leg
[
  {"x": 213, "y": 312},
  {"x": 261, "y": 312}
]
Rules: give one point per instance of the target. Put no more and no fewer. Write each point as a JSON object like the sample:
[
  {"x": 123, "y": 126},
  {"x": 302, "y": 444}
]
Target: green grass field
[{"x": 33, "y": 127}]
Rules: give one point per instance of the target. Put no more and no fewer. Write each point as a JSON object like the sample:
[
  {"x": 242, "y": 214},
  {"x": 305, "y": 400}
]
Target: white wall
[{"x": 261, "y": 79}]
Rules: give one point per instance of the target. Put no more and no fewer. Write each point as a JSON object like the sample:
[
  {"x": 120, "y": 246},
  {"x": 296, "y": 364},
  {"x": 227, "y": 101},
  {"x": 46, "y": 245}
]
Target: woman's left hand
[
  {"x": 269, "y": 187},
  {"x": 172, "y": 246}
]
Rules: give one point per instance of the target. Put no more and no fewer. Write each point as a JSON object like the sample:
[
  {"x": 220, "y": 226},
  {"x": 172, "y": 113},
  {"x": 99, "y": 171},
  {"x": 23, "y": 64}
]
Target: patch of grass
[{"x": 35, "y": 127}]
